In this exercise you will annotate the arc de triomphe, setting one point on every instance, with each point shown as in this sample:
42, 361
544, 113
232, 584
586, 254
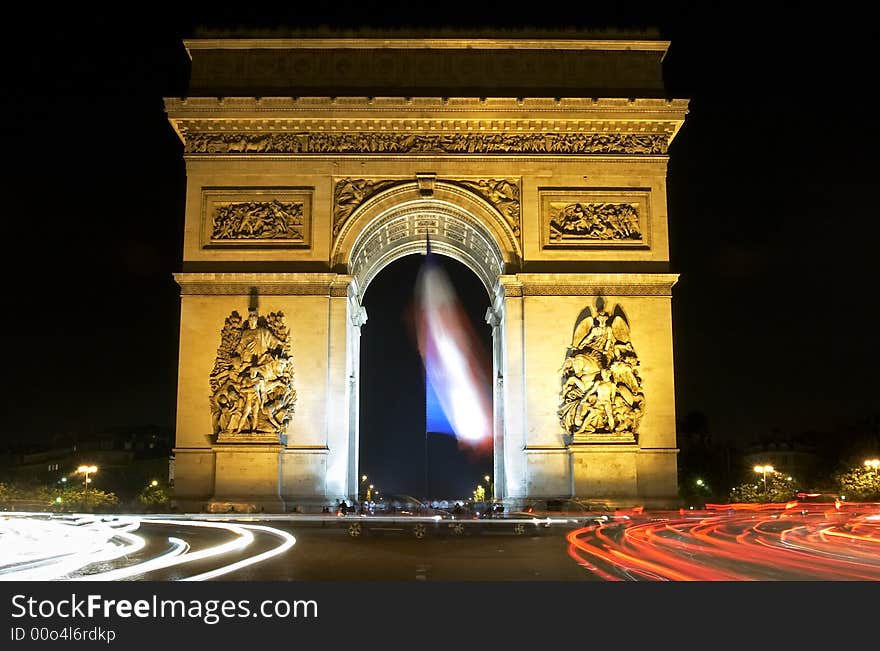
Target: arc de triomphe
312, 163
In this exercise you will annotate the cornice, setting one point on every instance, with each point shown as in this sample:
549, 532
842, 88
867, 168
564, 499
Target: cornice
238, 107
227, 124
653, 159
588, 284
275, 284
424, 44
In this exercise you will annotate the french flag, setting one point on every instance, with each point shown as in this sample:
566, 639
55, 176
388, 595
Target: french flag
457, 370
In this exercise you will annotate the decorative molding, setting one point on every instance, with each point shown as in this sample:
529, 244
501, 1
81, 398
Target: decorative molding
378, 43
426, 182
602, 399
256, 217
640, 112
269, 284
429, 143
594, 290
252, 393
358, 316
587, 284
582, 218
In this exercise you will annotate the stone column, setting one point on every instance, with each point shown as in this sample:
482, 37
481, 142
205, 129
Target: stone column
495, 319
339, 392
357, 317
512, 367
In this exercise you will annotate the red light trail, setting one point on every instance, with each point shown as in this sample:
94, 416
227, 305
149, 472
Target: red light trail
782, 542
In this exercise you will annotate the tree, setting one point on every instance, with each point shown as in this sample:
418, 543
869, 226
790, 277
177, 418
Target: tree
7, 493
859, 484
154, 497
780, 488
78, 498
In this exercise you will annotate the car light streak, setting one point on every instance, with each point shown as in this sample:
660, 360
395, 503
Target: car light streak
178, 547
789, 541
38, 546
44, 550
289, 542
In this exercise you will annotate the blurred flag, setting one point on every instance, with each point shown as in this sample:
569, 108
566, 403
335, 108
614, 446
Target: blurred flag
457, 370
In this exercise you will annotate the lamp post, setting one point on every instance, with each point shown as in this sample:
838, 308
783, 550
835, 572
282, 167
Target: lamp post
872, 464
764, 470
491, 488
86, 471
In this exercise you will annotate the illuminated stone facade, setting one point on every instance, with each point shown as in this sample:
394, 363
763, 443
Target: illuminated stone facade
302, 187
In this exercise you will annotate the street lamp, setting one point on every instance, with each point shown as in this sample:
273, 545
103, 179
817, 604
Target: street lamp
873, 464
764, 470
86, 471
491, 487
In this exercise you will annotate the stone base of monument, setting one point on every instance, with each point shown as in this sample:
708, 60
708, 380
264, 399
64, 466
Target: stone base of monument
604, 437
266, 504
247, 437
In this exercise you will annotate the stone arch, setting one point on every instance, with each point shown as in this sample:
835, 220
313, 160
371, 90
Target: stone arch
395, 223
461, 225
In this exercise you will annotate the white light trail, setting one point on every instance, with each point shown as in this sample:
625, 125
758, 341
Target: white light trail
41, 547
289, 541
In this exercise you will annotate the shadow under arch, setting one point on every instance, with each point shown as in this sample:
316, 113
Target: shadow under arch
397, 222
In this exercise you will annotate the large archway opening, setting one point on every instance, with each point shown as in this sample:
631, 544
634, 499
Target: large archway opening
398, 454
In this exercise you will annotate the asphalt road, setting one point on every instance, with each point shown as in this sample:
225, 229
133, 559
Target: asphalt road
330, 554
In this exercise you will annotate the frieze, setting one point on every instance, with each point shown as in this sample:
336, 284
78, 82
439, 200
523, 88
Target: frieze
264, 283
601, 399
430, 143
595, 290
220, 288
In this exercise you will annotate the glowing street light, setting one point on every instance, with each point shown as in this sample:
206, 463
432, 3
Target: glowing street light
873, 464
86, 471
491, 487
154, 483
700, 482
764, 470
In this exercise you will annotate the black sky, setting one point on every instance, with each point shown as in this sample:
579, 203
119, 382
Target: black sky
772, 205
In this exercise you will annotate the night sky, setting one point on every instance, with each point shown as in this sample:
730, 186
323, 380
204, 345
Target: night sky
773, 210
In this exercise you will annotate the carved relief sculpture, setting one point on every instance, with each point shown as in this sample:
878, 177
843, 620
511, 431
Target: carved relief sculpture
348, 194
503, 194
594, 221
367, 142
252, 394
601, 398
258, 220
